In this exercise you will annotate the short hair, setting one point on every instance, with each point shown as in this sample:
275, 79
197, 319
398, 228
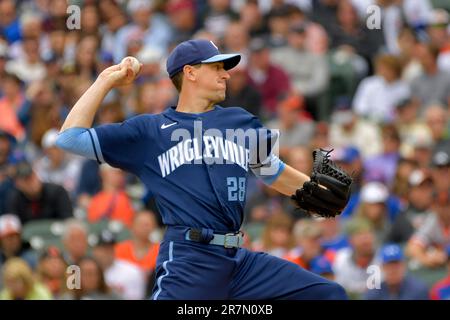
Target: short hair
73, 224
390, 61
177, 79
391, 131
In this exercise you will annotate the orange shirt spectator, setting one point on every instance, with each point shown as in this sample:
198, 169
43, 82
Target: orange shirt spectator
297, 259
9, 105
112, 206
126, 251
140, 250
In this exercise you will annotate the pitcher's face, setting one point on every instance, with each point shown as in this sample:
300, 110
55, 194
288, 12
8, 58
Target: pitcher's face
211, 79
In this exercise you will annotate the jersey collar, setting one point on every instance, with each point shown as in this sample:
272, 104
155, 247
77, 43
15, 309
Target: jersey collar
171, 112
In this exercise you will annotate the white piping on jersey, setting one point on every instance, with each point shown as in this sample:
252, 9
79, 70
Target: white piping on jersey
158, 282
217, 150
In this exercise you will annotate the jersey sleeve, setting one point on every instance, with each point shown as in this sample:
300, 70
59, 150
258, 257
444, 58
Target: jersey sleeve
263, 159
123, 145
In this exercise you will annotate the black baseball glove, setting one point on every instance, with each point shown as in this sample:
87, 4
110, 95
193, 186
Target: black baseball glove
327, 192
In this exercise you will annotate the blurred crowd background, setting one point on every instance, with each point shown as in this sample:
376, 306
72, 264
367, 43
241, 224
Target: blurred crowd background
311, 68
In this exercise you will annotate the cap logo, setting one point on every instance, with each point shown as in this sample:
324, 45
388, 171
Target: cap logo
214, 44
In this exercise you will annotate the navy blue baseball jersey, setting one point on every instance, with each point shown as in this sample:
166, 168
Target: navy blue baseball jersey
198, 174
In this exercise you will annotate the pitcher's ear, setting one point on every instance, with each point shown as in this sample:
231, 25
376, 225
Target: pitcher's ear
190, 72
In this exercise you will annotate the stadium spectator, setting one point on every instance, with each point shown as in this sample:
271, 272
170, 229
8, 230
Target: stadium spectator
217, 17
440, 170
11, 244
153, 97
115, 19
417, 12
51, 271
277, 235
252, 18
300, 158
296, 128
239, 93
90, 20
437, 30
407, 42
333, 238
325, 13
141, 249
350, 264
350, 159
236, 39
92, 283
420, 198
33, 199
85, 59
56, 49
7, 143
31, 25
440, 290
146, 26
349, 31
151, 65
56, 166
437, 121
321, 266
400, 186
378, 95
384, 165
433, 85
427, 245
262, 203
89, 183
9, 21
75, 241
321, 137
19, 282
10, 103
307, 234
316, 36
278, 24
124, 278
392, 23
40, 112
397, 284
413, 130
271, 81
347, 129
30, 67
373, 208
112, 202
4, 57
308, 72
182, 16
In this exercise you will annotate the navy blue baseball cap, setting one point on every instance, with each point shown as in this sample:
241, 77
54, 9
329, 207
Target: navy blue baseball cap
197, 51
391, 253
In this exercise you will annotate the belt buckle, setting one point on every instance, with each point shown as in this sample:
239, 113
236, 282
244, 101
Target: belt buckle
230, 235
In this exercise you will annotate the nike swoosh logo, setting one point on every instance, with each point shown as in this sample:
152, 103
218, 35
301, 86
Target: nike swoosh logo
165, 126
